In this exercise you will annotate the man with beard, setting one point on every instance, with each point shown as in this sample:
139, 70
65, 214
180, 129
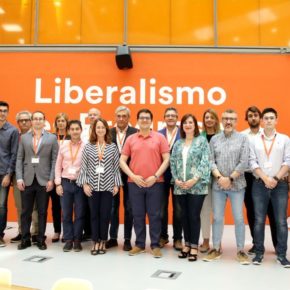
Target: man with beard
229, 157
253, 117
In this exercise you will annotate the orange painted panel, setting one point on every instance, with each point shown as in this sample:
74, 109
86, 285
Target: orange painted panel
75, 82
102, 21
60, 22
192, 22
238, 23
16, 21
274, 21
148, 22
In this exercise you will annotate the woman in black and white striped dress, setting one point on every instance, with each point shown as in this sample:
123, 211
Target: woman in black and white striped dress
101, 179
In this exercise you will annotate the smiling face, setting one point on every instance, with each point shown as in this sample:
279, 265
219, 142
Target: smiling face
170, 118
93, 115
229, 121
3, 113
209, 121
188, 127
144, 121
100, 130
38, 121
75, 131
61, 123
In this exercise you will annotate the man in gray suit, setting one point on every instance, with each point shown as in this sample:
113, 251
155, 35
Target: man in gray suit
35, 166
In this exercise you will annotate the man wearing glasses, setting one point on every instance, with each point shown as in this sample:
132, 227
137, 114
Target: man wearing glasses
8, 152
229, 157
149, 153
35, 166
23, 119
172, 134
270, 161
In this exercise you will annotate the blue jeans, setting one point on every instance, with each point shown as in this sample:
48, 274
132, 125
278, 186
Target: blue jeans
73, 204
279, 198
146, 200
128, 217
177, 223
3, 206
219, 202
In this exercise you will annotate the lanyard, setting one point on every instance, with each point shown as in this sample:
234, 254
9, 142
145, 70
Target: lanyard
35, 144
121, 140
101, 150
170, 142
268, 152
73, 157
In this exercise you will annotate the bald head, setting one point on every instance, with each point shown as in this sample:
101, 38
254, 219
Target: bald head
93, 114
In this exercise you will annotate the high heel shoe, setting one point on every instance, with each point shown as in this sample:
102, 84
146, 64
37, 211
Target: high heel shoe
192, 257
94, 250
102, 248
183, 254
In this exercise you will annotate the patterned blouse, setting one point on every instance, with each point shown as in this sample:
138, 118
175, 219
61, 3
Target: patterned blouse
100, 181
197, 165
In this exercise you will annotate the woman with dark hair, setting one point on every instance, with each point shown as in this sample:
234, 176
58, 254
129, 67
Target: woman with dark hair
61, 131
101, 179
210, 127
190, 167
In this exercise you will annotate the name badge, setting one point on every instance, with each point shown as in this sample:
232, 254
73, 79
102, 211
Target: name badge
35, 160
72, 170
100, 169
268, 164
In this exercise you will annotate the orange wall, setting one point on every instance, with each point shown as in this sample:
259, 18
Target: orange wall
244, 80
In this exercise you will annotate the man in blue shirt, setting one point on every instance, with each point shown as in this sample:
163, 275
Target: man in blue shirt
8, 152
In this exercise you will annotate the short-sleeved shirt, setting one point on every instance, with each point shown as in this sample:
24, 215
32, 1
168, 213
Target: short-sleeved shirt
145, 153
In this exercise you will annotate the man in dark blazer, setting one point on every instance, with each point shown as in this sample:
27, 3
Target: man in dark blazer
172, 134
119, 135
35, 166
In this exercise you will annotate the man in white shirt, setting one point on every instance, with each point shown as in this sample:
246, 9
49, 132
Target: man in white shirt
253, 117
270, 161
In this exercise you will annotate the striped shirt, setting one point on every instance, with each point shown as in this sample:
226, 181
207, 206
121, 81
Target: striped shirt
100, 181
228, 154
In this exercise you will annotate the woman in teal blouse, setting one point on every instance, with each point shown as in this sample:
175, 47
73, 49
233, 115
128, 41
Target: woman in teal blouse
190, 167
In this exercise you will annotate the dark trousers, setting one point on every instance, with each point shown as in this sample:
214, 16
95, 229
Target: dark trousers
191, 205
56, 210
146, 200
177, 223
279, 198
73, 210
128, 216
100, 209
250, 209
87, 222
3, 206
34, 193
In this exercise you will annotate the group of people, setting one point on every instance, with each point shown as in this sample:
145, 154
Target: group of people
85, 171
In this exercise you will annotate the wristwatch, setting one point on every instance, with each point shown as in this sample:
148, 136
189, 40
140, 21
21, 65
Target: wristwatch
231, 179
276, 178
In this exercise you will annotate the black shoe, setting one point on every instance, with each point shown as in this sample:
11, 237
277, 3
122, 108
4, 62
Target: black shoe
111, 243
55, 238
41, 245
68, 246
258, 259
252, 251
77, 246
34, 239
16, 239
62, 240
127, 246
24, 244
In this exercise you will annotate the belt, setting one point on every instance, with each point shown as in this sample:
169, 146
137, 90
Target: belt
69, 180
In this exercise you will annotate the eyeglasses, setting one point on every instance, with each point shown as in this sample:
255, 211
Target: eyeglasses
24, 120
229, 119
145, 118
4, 111
170, 116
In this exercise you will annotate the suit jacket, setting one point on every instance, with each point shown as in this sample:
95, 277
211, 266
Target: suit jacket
167, 174
47, 153
130, 131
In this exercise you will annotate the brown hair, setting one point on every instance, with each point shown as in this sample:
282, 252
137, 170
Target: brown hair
58, 116
184, 118
215, 115
94, 136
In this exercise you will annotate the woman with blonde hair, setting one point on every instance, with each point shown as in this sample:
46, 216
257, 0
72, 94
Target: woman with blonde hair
210, 127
